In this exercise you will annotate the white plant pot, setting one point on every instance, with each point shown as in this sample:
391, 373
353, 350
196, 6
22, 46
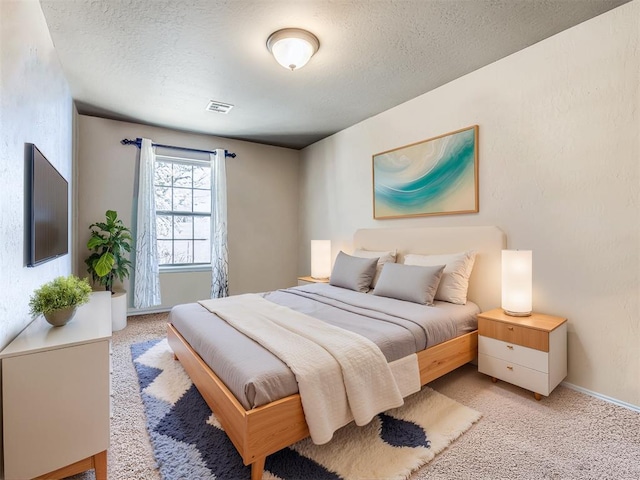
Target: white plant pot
118, 311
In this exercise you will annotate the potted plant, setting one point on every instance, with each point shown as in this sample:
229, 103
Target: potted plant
110, 241
58, 299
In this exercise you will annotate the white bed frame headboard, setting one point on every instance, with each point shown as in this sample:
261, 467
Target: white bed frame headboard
488, 242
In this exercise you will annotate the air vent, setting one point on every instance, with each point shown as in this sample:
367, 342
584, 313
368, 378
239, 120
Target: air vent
218, 107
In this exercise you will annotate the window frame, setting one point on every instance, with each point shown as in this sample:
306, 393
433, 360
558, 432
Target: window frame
183, 267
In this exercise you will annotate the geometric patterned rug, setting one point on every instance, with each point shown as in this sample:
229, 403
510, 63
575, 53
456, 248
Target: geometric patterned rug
189, 443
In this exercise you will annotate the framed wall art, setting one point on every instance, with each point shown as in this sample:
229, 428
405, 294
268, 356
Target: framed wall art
438, 176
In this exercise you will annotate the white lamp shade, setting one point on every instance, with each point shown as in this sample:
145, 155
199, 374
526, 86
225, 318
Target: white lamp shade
292, 47
517, 282
320, 258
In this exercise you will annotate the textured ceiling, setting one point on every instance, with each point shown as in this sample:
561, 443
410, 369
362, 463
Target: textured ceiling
160, 62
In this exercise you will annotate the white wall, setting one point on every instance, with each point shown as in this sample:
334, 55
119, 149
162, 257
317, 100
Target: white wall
559, 173
35, 107
262, 183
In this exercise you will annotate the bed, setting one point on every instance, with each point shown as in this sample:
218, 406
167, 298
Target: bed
258, 428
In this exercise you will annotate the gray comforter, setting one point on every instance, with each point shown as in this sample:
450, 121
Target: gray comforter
256, 377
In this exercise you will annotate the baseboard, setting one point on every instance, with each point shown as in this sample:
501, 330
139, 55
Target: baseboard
615, 401
137, 311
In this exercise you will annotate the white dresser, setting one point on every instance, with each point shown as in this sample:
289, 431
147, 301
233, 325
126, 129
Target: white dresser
530, 352
56, 395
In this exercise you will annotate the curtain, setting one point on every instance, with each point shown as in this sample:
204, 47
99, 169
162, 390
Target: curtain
219, 249
146, 292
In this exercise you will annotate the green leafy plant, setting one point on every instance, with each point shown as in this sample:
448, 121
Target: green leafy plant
61, 292
110, 241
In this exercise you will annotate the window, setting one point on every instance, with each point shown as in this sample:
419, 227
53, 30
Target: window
183, 211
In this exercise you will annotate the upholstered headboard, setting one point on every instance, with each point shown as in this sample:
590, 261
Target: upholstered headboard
488, 242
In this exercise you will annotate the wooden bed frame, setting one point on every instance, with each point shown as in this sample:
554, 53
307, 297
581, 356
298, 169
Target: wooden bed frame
264, 430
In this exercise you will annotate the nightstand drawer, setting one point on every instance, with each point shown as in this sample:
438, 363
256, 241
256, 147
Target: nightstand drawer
510, 352
513, 373
520, 335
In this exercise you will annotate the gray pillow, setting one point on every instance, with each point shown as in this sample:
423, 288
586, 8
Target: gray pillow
409, 282
353, 273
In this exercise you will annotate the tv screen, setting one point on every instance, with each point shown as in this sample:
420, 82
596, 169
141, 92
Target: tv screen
47, 208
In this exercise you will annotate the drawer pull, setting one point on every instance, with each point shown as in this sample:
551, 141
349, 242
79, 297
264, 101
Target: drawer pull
510, 328
510, 347
509, 367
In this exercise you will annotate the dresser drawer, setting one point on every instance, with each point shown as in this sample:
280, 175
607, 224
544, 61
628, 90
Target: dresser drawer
510, 352
517, 334
513, 373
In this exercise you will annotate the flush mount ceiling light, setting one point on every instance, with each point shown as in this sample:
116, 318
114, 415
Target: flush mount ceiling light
292, 47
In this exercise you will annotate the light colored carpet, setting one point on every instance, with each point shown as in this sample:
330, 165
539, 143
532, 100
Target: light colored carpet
568, 435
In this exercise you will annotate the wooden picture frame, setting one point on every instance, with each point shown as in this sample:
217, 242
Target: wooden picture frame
437, 176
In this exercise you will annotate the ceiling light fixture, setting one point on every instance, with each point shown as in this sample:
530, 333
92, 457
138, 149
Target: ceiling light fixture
292, 47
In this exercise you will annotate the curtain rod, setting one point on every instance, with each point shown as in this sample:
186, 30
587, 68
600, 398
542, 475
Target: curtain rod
138, 142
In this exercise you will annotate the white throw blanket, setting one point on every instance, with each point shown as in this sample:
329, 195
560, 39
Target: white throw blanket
341, 375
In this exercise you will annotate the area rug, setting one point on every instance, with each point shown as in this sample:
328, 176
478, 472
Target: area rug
189, 443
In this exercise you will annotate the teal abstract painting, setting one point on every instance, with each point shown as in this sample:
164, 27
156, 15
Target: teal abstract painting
438, 176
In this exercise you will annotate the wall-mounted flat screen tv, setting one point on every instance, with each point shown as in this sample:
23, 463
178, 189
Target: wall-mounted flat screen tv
47, 200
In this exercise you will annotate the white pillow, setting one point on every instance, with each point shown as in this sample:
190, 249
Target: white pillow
455, 278
383, 257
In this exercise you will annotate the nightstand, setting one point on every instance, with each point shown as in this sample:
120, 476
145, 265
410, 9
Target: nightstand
530, 352
308, 280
